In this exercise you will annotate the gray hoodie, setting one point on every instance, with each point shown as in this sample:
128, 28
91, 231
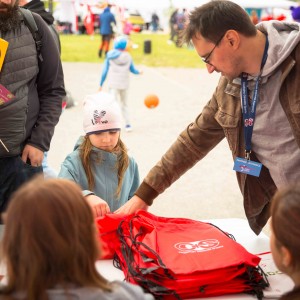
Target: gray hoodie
121, 291
273, 141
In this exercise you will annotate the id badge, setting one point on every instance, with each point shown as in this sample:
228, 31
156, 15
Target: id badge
5, 95
3, 49
246, 166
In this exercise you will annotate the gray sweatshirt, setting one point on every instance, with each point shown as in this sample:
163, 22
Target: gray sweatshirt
121, 291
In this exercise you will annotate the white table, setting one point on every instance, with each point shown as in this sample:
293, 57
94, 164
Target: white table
243, 235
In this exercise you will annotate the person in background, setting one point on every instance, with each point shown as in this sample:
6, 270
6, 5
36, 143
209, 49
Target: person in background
173, 25
285, 235
258, 66
295, 12
181, 18
254, 17
127, 27
50, 247
100, 163
117, 67
33, 89
154, 22
107, 21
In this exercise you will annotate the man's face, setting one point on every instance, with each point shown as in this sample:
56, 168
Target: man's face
9, 18
218, 57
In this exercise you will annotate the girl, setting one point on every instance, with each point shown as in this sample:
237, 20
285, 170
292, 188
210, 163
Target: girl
100, 163
50, 247
285, 235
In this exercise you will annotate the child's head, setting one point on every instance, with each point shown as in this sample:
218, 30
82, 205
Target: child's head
49, 238
102, 121
285, 224
120, 43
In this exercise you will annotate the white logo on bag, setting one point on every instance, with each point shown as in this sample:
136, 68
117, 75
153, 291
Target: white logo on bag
198, 246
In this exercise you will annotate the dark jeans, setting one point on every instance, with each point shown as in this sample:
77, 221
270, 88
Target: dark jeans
105, 42
13, 173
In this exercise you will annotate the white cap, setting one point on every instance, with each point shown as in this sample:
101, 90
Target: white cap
101, 113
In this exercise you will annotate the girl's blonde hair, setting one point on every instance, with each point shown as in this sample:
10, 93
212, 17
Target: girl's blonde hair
49, 240
86, 149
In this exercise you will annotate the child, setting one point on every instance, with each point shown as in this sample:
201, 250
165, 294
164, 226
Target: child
50, 247
127, 27
116, 68
100, 163
285, 235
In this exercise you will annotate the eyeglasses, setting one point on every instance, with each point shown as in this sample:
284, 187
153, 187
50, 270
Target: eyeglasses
206, 59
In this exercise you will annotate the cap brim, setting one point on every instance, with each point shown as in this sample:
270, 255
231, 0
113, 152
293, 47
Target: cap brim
105, 130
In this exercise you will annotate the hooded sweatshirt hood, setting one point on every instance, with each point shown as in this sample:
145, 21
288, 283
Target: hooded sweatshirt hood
283, 38
38, 7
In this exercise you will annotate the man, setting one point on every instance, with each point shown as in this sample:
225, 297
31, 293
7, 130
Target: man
155, 22
173, 25
28, 117
260, 71
107, 21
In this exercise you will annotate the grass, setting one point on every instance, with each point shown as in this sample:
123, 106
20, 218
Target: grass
83, 48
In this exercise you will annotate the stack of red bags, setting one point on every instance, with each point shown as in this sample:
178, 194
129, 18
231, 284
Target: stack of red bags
177, 258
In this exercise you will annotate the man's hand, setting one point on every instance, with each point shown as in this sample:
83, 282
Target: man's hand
98, 205
133, 205
35, 155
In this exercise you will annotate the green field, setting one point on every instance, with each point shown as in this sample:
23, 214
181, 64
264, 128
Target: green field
83, 48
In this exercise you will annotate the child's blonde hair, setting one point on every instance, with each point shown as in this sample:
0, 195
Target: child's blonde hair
121, 165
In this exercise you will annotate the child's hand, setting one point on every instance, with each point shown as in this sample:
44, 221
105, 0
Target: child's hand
141, 72
98, 205
100, 89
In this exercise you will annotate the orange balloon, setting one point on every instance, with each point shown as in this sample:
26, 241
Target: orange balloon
151, 101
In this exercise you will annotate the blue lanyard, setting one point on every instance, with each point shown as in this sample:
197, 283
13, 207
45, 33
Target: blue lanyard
250, 110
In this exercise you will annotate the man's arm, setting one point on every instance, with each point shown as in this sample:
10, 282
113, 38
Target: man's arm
190, 147
50, 89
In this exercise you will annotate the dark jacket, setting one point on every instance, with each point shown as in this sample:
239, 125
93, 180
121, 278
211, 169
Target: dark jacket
38, 87
38, 7
106, 20
292, 295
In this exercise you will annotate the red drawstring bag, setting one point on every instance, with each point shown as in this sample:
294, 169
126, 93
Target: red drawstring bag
107, 228
177, 258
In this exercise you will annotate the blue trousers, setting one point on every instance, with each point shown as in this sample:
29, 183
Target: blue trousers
13, 173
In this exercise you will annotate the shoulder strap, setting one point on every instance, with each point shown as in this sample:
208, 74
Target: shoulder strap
31, 24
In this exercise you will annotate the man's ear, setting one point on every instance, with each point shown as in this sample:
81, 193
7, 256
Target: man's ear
233, 38
286, 256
